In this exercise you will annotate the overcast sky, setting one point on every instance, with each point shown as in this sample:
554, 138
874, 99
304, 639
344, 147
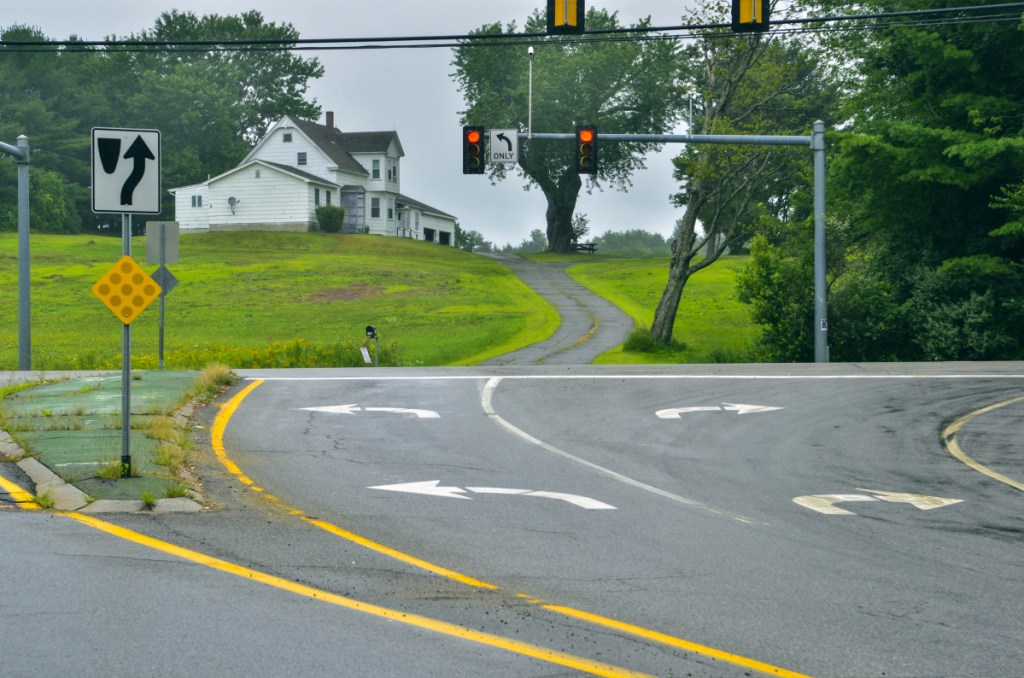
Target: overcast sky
409, 91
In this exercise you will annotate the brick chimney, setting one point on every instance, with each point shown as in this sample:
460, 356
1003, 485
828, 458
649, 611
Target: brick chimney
330, 124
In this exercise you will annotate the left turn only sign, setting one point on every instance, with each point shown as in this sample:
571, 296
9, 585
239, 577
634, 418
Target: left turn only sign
126, 170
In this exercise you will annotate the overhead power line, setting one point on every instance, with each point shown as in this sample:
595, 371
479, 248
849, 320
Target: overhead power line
881, 20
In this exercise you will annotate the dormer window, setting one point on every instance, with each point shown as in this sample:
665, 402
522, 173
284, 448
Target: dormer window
287, 137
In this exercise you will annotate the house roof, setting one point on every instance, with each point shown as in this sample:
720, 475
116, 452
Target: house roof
339, 145
305, 176
423, 206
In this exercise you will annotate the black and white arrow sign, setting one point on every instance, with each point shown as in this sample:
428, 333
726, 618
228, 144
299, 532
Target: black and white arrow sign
125, 170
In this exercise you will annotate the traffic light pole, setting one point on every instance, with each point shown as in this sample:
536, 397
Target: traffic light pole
816, 142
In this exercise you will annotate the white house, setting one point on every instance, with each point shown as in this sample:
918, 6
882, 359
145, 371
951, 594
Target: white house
300, 165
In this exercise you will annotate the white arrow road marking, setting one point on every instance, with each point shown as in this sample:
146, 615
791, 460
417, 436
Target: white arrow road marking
823, 503
353, 408
748, 409
676, 412
923, 502
429, 487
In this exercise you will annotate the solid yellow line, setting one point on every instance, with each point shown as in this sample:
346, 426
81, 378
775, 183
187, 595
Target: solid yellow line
217, 441
217, 432
398, 555
949, 438
436, 625
20, 496
672, 641
220, 423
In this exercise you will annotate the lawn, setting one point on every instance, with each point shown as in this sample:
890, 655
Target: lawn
711, 325
273, 300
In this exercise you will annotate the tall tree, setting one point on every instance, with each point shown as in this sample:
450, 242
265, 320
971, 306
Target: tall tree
749, 84
623, 86
922, 186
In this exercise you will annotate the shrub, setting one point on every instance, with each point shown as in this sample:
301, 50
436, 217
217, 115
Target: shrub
330, 218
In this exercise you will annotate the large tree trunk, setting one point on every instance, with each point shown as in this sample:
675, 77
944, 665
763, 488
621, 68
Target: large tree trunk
561, 205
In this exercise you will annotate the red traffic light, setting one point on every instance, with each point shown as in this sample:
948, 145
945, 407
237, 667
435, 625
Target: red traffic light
586, 149
473, 150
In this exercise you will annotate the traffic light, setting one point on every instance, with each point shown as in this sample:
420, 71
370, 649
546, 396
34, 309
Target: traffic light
565, 17
750, 16
586, 149
472, 150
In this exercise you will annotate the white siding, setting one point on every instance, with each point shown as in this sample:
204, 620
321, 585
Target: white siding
192, 207
275, 149
274, 200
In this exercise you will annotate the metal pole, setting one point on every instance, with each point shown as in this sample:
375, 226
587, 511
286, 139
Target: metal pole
126, 365
529, 115
820, 289
24, 267
163, 295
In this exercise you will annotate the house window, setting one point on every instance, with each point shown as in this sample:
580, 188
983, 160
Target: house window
316, 196
375, 208
257, 174
302, 158
328, 197
287, 137
391, 210
376, 169
197, 201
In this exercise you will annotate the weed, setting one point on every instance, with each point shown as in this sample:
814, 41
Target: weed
45, 500
174, 490
640, 341
171, 456
148, 499
109, 470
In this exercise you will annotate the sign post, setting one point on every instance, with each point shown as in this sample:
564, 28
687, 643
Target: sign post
162, 248
131, 187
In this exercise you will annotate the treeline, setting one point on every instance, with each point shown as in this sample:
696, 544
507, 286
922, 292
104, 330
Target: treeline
209, 105
629, 243
925, 187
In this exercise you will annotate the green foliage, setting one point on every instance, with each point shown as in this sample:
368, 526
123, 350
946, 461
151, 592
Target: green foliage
330, 218
210, 106
622, 86
632, 243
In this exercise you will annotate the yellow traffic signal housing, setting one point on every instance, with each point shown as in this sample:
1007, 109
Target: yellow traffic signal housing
126, 290
565, 17
750, 16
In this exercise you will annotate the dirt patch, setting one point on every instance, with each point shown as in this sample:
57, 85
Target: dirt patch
354, 291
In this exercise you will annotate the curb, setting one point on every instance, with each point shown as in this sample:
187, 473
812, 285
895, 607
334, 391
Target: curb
67, 497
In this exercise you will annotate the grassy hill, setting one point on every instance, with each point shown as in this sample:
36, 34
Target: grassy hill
273, 300
305, 299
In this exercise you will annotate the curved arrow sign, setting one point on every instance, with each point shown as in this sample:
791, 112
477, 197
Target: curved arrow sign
826, 503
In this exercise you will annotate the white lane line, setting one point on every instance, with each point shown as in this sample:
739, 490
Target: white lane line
486, 396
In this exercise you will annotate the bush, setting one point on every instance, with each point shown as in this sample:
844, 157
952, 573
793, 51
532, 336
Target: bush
330, 218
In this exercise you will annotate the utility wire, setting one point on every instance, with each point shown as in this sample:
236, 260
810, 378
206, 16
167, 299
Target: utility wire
876, 21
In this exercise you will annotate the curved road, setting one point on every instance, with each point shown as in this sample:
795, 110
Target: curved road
590, 324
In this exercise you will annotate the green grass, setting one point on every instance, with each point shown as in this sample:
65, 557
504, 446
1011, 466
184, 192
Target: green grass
273, 300
711, 325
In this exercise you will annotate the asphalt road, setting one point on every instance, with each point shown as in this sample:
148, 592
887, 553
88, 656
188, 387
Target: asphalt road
664, 520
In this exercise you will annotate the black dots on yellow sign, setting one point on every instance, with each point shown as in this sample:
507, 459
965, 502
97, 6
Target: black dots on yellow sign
126, 290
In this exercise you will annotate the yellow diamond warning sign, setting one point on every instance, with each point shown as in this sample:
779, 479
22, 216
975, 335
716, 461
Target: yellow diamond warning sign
126, 290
